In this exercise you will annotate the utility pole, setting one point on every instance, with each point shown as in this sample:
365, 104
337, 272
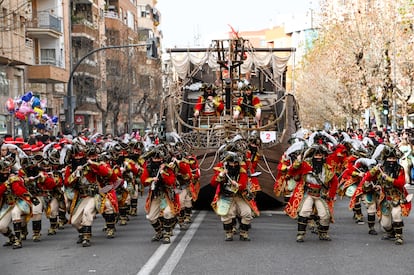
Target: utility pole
70, 99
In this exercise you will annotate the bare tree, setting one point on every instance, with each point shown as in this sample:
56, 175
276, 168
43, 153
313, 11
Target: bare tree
353, 63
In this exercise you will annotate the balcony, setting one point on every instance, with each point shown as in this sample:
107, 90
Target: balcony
85, 1
45, 25
88, 68
113, 21
48, 68
84, 29
112, 14
47, 74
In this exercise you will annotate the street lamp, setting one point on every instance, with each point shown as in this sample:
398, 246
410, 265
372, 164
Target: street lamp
70, 99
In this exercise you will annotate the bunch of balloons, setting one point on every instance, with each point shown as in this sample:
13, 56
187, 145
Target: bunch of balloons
31, 108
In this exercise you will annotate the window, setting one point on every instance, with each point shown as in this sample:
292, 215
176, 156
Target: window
16, 24
48, 56
4, 84
142, 11
22, 24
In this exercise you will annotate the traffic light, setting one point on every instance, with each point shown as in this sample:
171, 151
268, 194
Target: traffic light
152, 51
385, 107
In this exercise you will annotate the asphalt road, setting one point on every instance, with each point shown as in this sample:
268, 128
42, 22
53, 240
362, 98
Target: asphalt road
202, 249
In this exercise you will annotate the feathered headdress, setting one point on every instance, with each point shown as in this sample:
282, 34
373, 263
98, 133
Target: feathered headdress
297, 147
384, 151
322, 137
366, 162
316, 148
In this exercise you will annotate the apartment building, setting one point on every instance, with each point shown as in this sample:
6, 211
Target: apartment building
47, 30
41, 41
16, 52
111, 85
89, 77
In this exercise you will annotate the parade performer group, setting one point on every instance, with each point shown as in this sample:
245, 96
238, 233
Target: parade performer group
79, 179
73, 180
314, 172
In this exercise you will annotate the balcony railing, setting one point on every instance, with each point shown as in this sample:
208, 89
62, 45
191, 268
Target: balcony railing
45, 20
111, 14
50, 57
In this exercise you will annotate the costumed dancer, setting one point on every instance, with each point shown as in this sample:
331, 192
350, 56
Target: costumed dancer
352, 174
39, 184
119, 152
134, 171
364, 192
56, 205
316, 188
388, 178
230, 180
252, 157
84, 181
194, 185
284, 184
182, 170
162, 205
108, 181
15, 204
65, 166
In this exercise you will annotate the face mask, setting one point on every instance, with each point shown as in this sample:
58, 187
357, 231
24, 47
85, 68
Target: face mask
153, 168
120, 160
233, 171
33, 171
155, 164
317, 164
4, 176
78, 162
391, 168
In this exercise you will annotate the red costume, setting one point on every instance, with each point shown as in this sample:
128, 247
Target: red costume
216, 108
297, 171
168, 178
195, 182
281, 185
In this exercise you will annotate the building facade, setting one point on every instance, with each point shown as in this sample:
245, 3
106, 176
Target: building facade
45, 42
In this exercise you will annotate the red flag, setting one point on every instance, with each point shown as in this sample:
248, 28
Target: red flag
233, 32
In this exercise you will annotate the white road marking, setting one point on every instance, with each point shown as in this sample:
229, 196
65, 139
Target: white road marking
157, 256
179, 250
272, 212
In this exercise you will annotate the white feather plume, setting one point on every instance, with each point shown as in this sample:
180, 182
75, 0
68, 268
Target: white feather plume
367, 162
297, 146
329, 138
367, 141
378, 151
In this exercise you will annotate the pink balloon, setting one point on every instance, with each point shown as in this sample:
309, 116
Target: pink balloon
43, 103
25, 108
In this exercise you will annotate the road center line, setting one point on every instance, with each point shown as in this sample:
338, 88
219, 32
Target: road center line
179, 250
162, 249
157, 256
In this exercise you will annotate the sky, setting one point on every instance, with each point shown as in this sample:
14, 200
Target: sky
188, 23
